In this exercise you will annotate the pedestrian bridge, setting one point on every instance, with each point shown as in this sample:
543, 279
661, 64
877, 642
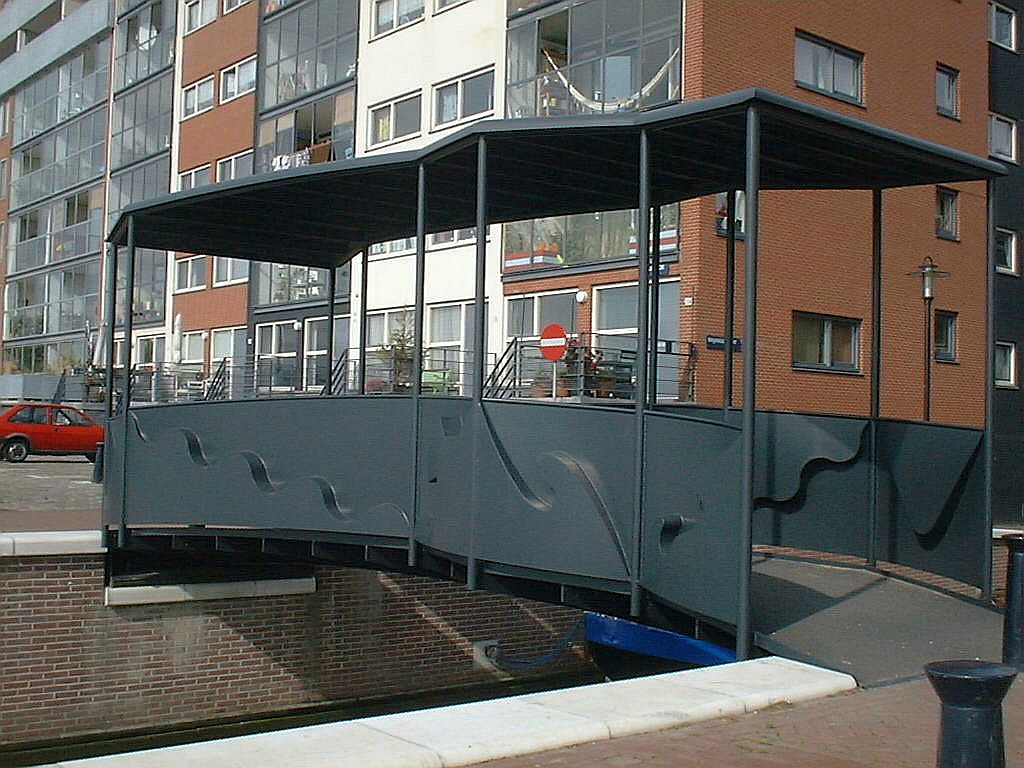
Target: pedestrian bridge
645, 510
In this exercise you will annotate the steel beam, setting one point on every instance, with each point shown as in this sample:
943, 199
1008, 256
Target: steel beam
730, 302
126, 394
655, 290
109, 310
479, 352
417, 351
332, 279
876, 372
990, 349
363, 301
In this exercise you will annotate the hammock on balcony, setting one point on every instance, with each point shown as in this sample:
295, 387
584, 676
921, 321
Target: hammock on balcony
617, 104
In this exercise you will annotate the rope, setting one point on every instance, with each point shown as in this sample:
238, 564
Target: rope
508, 663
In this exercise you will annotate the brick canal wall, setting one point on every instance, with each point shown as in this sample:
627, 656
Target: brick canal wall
71, 666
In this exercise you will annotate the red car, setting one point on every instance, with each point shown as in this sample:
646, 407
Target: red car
51, 429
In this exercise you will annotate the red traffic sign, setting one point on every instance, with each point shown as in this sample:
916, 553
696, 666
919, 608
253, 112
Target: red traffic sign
553, 342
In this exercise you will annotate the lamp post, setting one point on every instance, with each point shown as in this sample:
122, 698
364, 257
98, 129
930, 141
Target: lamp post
928, 271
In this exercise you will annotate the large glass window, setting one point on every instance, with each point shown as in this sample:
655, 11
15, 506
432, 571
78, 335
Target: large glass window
227, 271
62, 230
276, 362
150, 285
828, 68
145, 43
56, 302
307, 49
46, 357
139, 183
313, 133
141, 122
286, 283
62, 91
825, 342
596, 56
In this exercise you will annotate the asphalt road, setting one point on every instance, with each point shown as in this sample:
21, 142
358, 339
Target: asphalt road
48, 493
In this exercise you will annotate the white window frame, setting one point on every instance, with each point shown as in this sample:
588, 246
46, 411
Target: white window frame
191, 287
390, 106
459, 82
457, 238
834, 49
395, 24
191, 176
276, 353
229, 6
308, 353
993, 9
944, 355
1014, 268
438, 8
232, 161
232, 329
994, 118
202, 5
236, 67
1010, 383
137, 344
535, 321
953, 195
231, 280
185, 337
194, 87
954, 75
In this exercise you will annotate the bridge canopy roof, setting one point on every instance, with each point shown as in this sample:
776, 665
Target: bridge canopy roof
322, 215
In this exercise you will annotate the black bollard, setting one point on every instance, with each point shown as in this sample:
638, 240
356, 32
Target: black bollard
971, 729
97, 464
1013, 615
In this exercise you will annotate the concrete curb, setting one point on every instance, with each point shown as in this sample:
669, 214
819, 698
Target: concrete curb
38, 543
464, 734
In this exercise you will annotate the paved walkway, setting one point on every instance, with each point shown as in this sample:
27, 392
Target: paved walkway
895, 727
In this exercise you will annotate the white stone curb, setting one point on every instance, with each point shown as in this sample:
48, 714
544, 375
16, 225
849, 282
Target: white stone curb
470, 733
37, 543
183, 593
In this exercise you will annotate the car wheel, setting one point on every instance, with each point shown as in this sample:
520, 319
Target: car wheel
16, 450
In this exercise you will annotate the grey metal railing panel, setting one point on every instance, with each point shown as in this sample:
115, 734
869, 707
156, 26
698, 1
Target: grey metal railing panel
691, 515
556, 489
446, 474
113, 471
324, 464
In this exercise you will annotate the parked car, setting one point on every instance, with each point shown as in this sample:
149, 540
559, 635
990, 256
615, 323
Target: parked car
47, 429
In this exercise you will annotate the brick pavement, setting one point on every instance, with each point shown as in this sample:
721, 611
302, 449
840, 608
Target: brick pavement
895, 727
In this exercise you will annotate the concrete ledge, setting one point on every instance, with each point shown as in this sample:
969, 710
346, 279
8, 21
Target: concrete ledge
471, 733
183, 593
51, 543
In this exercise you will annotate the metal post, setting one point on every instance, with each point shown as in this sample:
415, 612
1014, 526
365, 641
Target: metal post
126, 394
753, 179
109, 309
1013, 616
655, 290
643, 345
928, 358
990, 344
971, 728
876, 371
480, 356
332, 278
730, 301
363, 301
417, 351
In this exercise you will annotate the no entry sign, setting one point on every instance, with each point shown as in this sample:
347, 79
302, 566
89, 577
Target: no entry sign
553, 342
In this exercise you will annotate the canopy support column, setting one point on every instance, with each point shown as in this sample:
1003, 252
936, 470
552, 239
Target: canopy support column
876, 371
655, 289
364, 273
479, 349
332, 279
126, 385
109, 308
729, 331
990, 350
417, 351
753, 182
643, 346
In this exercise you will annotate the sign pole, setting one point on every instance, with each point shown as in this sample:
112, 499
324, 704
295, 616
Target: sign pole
554, 377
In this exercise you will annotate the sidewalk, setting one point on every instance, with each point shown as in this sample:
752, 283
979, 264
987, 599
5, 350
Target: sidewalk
894, 727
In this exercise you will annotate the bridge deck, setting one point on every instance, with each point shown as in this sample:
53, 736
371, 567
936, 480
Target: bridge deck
876, 628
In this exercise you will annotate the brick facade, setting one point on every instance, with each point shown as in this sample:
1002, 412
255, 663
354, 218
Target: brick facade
73, 667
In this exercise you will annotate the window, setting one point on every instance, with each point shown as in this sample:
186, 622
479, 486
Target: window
70, 418
235, 167
454, 237
947, 97
388, 328
31, 415
721, 210
396, 120
1002, 137
828, 68
307, 49
284, 284
313, 133
276, 348
828, 343
145, 42
442, 4
1006, 364
945, 336
192, 347
315, 348
392, 14
199, 13
1002, 26
227, 271
946, 214
197, 98
228, 343
197, 177
468, 96
1006, 251
230, 5
190, 273
238, 79
141, 121
4, 115
528, 315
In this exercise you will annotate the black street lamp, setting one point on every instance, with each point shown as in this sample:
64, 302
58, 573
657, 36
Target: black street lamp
928, 271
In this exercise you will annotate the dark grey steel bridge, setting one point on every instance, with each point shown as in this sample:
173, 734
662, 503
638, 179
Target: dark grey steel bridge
645, 510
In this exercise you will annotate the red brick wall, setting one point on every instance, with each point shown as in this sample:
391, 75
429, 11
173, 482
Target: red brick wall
70, 666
